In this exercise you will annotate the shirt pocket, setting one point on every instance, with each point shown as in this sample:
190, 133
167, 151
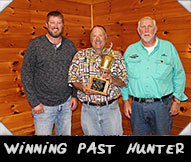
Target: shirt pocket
163, 69
133, 67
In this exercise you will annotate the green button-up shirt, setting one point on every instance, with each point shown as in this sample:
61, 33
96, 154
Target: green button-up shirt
155, 75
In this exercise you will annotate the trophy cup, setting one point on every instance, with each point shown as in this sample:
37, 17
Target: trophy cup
101, 85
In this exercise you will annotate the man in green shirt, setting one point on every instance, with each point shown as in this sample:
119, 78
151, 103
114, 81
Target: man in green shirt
155, 76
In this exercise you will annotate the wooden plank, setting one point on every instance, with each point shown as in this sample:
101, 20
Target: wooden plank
5, 92
11, 54
82, 1
75, 20
166, 24
175, 36
188, 79
186, 64
11, 107
98, 1
21, 4
39, 29
23, 43
186, 108
81, 43
188, 94
8, 84
19, 124
15, 15
158, 11
10, 67
66, 6
5, 68
33, 16
15, 41
107, 6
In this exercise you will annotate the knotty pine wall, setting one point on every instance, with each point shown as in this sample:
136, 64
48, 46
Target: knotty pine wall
24, 20
120, 18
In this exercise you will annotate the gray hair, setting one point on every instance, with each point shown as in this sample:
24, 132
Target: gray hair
146, 17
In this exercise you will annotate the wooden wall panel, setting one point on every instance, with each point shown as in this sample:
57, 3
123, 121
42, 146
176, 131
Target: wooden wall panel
20, 22
24, 20
174, 24
120, 19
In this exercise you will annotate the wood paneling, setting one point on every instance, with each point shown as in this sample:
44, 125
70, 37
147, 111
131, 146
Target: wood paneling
174, 24
24, 20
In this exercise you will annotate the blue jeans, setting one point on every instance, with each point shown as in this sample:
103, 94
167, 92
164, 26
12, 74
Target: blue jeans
59, 115
101, 120
155, 117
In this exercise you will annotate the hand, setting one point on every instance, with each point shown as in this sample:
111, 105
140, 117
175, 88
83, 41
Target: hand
73, 103
113, 80
82, 88
127, 108
38, 109
175, 108
88, 92
107, 77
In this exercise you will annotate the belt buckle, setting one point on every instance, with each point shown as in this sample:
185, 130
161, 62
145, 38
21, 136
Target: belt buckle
149, 100
99, 104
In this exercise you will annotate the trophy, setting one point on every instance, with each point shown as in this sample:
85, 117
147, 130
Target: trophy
101, 85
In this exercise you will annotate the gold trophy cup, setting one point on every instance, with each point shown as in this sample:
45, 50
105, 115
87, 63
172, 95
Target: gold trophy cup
106, 62
100, 85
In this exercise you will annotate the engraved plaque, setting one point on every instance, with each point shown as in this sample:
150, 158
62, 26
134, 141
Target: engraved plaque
98, 85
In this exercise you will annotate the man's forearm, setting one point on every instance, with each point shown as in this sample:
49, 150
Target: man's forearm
117, 82
78, 85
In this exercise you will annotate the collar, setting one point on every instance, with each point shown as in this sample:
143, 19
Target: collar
156, 48
104, 51
60, 44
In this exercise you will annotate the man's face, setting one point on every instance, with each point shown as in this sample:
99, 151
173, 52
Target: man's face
98, 38
147, 30
55, 26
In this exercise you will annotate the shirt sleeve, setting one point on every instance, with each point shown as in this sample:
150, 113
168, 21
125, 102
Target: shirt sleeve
125, 91
73, 74
179, 77
119, 69
74, 90
27, 75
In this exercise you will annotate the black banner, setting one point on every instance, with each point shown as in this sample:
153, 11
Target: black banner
133, 148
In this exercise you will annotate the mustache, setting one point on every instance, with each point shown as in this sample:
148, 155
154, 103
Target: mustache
147, 34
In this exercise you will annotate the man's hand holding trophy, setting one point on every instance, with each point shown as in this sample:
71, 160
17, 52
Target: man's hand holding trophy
100, 85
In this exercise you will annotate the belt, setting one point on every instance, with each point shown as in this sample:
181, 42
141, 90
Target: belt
100, 104
149, 100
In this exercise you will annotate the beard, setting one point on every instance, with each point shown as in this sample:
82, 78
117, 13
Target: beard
143, 37
151, 36
55, 35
